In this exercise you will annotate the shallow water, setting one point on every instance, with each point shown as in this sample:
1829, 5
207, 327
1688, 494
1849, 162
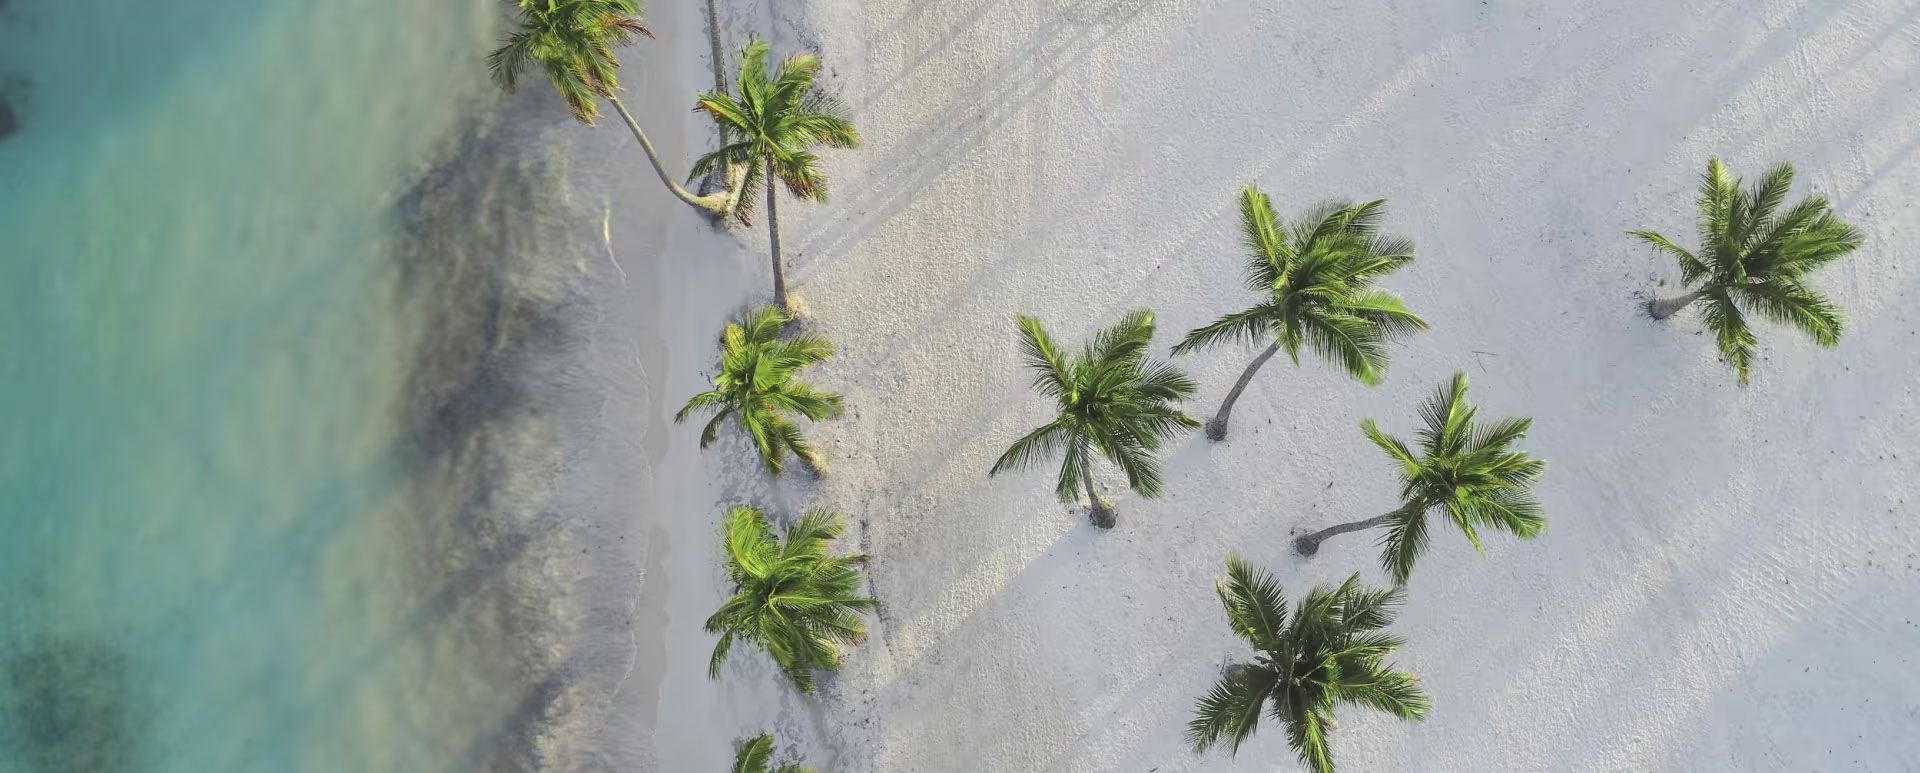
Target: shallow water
247, 525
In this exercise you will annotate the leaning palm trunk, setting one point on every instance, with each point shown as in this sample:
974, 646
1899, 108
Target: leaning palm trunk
715, 204
1100, 514
1309, 544
1217, 428
773, 236
1662, 308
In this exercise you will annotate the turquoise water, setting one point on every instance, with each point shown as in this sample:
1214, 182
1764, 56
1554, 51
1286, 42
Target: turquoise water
223, 547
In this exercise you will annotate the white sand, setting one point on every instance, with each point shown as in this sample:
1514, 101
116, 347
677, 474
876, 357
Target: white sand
1728, 580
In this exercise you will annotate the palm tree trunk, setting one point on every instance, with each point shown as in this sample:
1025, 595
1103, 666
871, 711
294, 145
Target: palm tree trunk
773, 237
1309, 544
714, 203
729, 180
1100, 514
1217, 428
1659, 308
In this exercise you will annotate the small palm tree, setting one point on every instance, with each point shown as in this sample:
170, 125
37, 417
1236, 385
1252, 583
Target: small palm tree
573, 42
1112, 398
758, 386
772, 123
1316, 284
790, 597
1754, 260
756, 754
1470, 472
1329, 652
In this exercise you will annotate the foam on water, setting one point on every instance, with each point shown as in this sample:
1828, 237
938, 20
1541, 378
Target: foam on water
258, 483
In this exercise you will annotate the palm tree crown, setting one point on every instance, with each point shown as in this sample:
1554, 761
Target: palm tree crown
1330, 651
758, 386
790, 597
1316, 279
1112, 398
573, 42
773, 121
1754, 259
756, 755
1470, 472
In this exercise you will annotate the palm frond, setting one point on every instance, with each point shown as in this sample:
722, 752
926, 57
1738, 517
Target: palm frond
1691, 268
1446, 414
1730, 332
1265, 240
1052, 375
720, 651
1128, 451
505, 63
1791, 303
1032, 448
1124, 341
1404, 541
1512, 510
1231, 710
1074, 464
1763, 202
1392, 692
1394, 446
1249, 326
1384, 310
754, 755
793, 80
1256, 608
1348, 341
1498, 434
823, 118
1307, 735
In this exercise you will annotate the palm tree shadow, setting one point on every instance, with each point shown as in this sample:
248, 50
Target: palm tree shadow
1053, 50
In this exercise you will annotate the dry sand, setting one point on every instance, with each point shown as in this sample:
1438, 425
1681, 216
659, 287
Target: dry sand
1728, 580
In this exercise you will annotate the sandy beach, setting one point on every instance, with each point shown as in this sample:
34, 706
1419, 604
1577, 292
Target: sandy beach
1728, 578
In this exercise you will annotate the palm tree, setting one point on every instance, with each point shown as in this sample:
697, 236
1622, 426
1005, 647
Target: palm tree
1112, 398
756, 754
1329, 652
790, 597
1316, 284
1754, 259
1470, 472
573, 42
757, 386
771, 124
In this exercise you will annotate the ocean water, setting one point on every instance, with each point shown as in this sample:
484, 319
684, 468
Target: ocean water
259, 504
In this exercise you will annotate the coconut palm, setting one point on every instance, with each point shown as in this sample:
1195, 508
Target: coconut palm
772, 123
1470, 472
790, 597
756, 754
572, 41
1754, 259
1315, 280
1112, 399
758, 386
1330, 651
